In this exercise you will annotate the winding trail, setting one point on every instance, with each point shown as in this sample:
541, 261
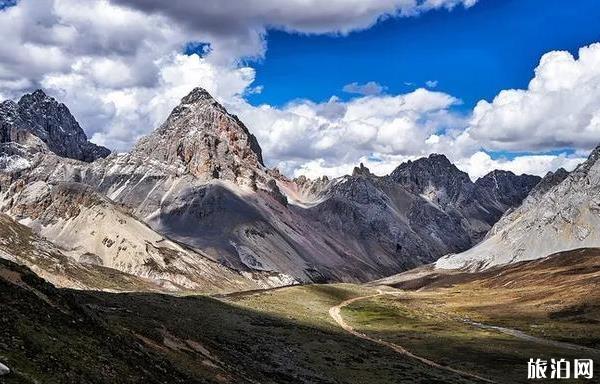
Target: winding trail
524, 336
335, 313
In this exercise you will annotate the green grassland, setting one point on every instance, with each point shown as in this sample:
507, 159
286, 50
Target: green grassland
281, 336
429, 330
284, 335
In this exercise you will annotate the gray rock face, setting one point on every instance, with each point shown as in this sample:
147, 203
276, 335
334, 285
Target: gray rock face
199, 182
549, 181
435, 177
444, 184
37, 117
212, 144
421, 211
561, 213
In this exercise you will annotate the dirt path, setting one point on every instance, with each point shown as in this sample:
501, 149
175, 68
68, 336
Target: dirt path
335, 313
513, 332
524, 336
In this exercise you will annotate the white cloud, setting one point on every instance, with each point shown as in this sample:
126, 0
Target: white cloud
378, 164
335, 135
480, 163
370, 88
242, 23
559, 109
117, 65
118, 117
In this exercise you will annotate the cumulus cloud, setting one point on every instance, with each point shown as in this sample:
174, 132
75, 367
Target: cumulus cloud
480, 163
118, 117
336, 134
242, 23
370, 88
119, 66
560, 108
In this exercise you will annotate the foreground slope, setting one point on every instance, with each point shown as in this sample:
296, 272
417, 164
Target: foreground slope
537, 308
492, 322
54, 335
172, 267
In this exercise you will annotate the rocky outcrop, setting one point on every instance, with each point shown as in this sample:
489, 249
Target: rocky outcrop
434, 177
560, 214
38, 120
550, 180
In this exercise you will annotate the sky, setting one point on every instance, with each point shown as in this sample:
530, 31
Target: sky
324, 86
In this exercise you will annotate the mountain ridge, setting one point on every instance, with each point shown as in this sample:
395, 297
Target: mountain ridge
51, 123
559, 215
199, 180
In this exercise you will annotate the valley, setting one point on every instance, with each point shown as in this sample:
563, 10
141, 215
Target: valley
287, 335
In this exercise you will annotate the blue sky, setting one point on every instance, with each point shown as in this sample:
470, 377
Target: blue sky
473, 53
122, 65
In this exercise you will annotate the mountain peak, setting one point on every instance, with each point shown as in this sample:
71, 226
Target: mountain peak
548, 182
584, 168
38, 94
36, 114
498, 172
361, 170
438, 157
428, 169
39, 97
202, 136
432, 174
197, 95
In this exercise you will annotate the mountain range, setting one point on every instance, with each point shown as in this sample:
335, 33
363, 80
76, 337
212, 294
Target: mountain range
193, 202
561, 213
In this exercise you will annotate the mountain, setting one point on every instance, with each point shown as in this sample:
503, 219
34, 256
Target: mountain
560, 214
92, 235
422, 210
193, 201
38, 120
477, 205
202, 137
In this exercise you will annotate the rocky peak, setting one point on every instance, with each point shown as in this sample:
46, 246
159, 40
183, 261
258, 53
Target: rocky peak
550, 180
37, 96
506, 180
361, 170
433, 174
207, 140
198, 95
36, 114
584, 168
505, 187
